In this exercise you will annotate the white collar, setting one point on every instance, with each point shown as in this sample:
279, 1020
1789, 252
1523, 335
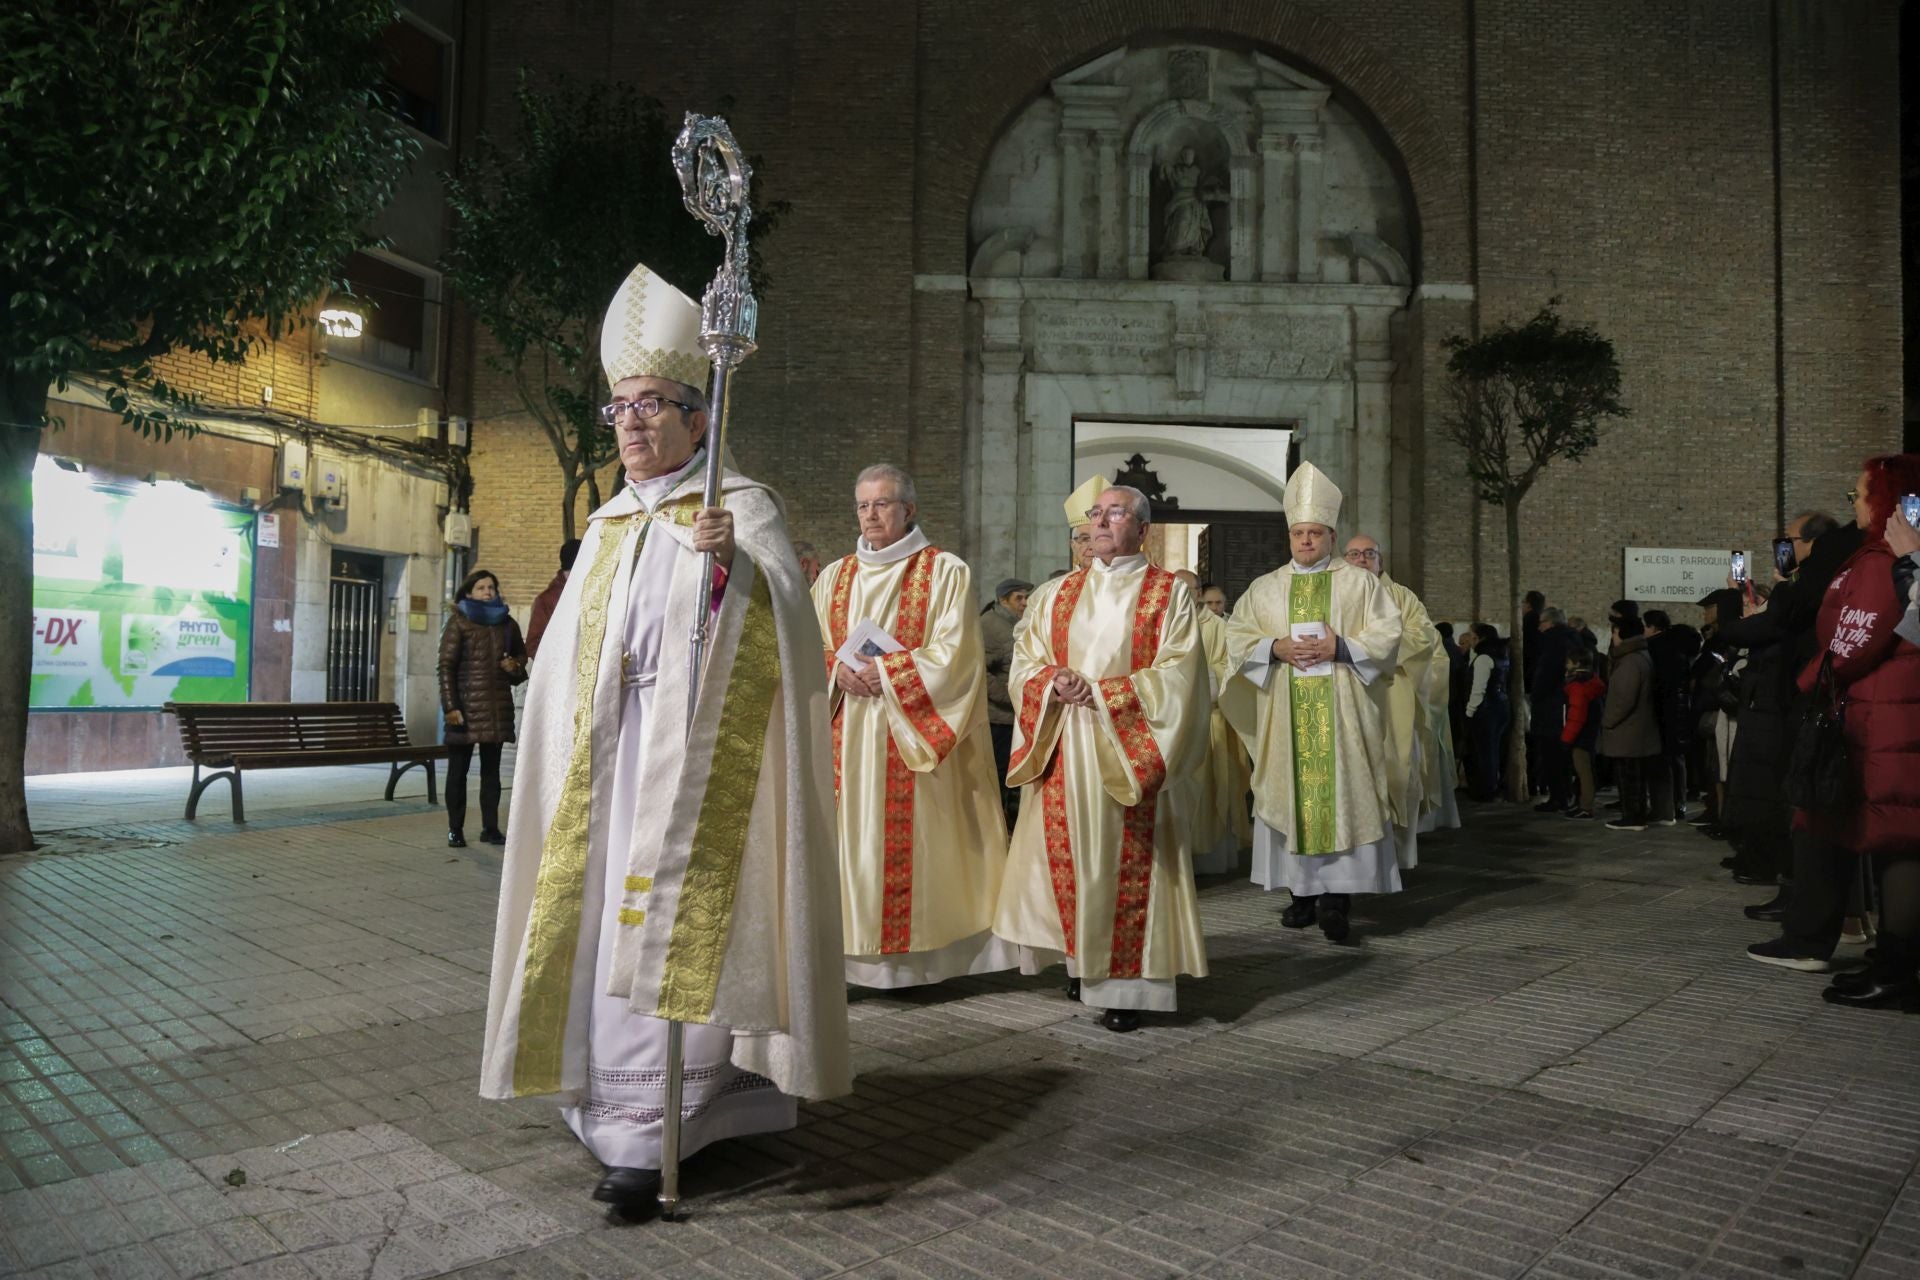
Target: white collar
1321, 567
652, 493
893, 552
1120, 564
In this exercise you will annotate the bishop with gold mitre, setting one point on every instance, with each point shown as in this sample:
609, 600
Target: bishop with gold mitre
1312, 645
653, 873
923, 834
1111, 690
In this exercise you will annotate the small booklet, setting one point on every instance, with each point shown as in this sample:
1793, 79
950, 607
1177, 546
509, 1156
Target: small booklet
865, 642
1312, 631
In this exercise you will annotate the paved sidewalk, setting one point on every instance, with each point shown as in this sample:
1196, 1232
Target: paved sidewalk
252, 1051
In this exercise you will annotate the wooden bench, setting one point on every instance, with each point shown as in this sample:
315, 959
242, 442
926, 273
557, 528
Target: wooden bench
232, 737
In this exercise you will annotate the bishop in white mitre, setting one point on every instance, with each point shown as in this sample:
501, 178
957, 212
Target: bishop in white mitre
923, 834
1312, 645
1215, 793
1408, 703
652, 873
1110, 688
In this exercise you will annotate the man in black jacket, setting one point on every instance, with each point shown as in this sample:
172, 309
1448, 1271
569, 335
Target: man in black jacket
1673, 650
1549, 648
1811, 914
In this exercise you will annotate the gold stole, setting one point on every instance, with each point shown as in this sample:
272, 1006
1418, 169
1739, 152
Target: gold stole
1310, 599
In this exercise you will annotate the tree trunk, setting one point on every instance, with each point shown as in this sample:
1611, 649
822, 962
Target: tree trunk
1518, 784
568, 492
23, 398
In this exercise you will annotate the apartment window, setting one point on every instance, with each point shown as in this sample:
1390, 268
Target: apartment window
400, 305
419, 77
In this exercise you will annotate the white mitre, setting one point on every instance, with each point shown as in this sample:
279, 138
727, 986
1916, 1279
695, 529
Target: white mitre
1311, 498
652, 330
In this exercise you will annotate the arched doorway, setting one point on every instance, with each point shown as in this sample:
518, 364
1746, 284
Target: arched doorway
1181, 233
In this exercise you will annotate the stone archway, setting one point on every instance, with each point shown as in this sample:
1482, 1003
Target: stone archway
1076, 314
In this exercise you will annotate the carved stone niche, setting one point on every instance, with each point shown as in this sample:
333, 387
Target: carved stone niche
1221, 169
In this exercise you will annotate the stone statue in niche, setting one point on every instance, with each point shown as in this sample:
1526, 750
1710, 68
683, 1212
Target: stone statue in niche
1188, 222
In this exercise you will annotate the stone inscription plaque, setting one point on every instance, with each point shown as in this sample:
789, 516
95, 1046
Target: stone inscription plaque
1122, 337
1253, 342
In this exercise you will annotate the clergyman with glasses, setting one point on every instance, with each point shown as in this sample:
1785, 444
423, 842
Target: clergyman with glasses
654, 874
1109, 680
923, 837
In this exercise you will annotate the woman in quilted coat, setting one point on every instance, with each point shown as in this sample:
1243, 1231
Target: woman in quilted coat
482, 656
1877, 673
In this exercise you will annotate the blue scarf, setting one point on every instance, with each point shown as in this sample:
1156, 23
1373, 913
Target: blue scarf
489, 613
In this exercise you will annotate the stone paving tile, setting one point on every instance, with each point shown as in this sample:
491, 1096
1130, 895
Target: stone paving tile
1548, 1058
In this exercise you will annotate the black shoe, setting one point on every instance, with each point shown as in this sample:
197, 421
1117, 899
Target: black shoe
1768, 912
493, 837
1728, 863
1626, 824
1755, 877
1852, 981
455, 840
1333, 920
1300, 913
629, 1189
1775, 951
1120, 1020
1874, 993
1073, 988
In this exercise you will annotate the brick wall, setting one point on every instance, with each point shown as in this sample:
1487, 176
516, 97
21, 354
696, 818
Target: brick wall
1621, 152
285, 364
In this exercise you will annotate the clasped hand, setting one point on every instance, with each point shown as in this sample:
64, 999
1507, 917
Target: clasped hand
1305, 652
713, 531
1072, 687
861, 683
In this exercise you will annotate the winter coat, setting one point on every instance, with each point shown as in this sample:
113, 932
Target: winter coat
1547, 654
1630, 726
1878, 673
471, 681
1672, 653
1586, 702
542, 613
997, 625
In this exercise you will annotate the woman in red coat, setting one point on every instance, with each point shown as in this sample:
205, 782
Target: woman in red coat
1878, 674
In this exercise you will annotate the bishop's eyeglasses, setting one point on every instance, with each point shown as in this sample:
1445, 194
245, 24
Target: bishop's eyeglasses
644, 407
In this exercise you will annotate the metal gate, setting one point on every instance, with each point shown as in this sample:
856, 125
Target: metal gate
353, 628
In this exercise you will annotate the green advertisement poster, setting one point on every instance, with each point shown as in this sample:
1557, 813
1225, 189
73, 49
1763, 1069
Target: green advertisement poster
140, 595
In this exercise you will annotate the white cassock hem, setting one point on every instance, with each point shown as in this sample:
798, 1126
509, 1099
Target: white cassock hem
1447, 815
1367, 868
1222, 859
981, 953
1152, 995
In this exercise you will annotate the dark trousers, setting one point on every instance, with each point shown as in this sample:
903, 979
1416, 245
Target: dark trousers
1555, 763
1676, 765
1486, 734
1825, 874
458, 758
1002, 753
1646, 789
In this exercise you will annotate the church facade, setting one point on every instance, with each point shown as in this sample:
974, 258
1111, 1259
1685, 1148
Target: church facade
1026, 236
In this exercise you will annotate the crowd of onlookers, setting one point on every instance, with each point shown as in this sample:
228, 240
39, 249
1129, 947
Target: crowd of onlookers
1790, 713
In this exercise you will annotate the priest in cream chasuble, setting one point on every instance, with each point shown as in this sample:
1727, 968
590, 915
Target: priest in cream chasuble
1409, 736
1312, 645
1111, 690
923, 836
651, 873
1214, 794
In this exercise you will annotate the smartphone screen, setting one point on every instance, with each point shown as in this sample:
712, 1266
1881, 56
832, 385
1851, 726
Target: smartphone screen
1910, 508
1738, 561
1783, 558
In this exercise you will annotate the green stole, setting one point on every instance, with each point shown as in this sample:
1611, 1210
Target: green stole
1310, 698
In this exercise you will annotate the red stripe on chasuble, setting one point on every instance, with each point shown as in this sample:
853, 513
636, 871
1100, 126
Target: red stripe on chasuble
837, 636
910, 629
1149, 770
1053, 783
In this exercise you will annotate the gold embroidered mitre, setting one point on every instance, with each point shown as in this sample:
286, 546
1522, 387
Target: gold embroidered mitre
1311, 498
652, 330
1081, 500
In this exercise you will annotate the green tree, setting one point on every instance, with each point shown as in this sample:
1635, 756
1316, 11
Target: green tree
1523, 395
180, 176
547, 226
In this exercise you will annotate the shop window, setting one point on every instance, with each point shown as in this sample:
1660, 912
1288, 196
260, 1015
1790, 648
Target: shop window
419, 76
399, 307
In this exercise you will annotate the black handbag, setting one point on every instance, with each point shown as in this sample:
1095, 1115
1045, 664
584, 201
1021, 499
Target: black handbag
1820, 777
